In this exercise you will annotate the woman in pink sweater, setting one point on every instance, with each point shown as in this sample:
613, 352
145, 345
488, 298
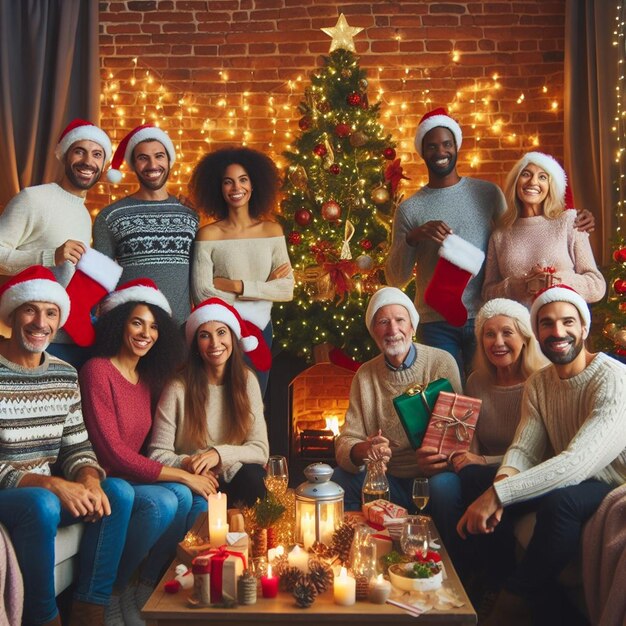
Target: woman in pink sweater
536, 242
138, 347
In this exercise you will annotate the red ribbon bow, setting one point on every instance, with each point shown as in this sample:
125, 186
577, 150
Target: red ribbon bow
394, 174
340, 274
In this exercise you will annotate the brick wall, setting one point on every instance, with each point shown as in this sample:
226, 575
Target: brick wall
233, 71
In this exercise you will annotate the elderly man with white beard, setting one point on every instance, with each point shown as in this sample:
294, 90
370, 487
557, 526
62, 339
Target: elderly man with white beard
372, 427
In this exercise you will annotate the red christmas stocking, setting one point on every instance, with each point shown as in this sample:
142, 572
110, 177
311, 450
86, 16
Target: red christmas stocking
96, 275
459, 260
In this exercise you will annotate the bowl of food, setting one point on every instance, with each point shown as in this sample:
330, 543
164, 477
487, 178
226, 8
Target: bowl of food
416, 576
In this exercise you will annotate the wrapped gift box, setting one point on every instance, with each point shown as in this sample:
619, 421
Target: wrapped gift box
452, 423
381, 511
226, 567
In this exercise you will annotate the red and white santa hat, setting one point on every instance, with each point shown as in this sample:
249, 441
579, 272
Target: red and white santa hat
550, 166
34, 284
81, 130
124, 151
433, 119
249, 335
560, 293
138, 290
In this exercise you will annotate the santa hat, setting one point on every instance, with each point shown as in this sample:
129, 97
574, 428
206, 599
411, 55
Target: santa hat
82, 130
249, 335
34, 284
125, 149
560, 293
386, 296
503, 306
548, 165
138, 290
433, 119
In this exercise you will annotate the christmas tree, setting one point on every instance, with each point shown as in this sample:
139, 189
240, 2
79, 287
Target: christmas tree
340, 189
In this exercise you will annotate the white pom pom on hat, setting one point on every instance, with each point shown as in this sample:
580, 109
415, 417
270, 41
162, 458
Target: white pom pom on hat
124, 150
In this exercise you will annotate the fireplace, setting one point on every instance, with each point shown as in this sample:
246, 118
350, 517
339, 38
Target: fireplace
311, 401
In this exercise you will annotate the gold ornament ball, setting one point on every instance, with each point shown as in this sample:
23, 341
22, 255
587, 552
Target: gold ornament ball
380, 195
365, 262
331, 211
358, 139
610, 329
620, 337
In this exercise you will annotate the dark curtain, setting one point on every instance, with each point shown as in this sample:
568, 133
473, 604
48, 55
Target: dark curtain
590, 81
49, 74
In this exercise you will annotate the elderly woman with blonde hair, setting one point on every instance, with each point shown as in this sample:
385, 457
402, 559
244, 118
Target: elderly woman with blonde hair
537, 242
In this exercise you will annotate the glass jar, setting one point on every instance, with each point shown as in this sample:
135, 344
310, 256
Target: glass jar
375, 485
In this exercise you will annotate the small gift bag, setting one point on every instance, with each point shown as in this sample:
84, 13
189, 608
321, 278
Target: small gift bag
415, 405
452, 423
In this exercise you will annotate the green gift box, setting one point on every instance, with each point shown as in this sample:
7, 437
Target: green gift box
415, 405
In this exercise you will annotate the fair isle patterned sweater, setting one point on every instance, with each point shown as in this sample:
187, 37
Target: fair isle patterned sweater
41, 422
151, 239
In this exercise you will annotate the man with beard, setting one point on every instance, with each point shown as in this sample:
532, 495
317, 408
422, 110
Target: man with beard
575, 409
49, 474
149, 233
49, 224
448, 204
372, 427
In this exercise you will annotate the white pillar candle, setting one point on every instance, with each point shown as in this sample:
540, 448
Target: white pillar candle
217, 508
379, 590
344, 589
217, 534
299, 558
308, 530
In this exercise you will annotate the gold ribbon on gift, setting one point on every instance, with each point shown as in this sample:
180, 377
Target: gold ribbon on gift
418, 390
345, 246
461, 428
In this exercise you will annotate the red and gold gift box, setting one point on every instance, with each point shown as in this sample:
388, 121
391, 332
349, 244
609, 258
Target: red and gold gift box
452, 423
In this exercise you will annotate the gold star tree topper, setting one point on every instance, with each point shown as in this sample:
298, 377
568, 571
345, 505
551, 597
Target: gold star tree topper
342, 35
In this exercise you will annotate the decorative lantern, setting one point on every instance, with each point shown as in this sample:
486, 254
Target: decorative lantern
319, 506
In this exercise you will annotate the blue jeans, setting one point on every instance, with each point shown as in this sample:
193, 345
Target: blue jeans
400, 489
32, 516
162, 514
460, 342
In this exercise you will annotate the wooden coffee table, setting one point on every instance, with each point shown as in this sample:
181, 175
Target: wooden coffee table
163, 609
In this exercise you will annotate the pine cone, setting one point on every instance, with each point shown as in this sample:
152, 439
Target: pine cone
342, 540
279, 564
304, 593
320, 575
289, 577
322, 551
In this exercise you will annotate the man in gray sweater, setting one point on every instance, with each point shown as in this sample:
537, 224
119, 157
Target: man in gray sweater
149, 233
575, 409
449, 203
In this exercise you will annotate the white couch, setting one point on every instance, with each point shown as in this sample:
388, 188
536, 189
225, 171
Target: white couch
65, 559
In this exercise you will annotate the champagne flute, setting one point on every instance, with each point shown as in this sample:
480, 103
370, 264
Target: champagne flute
276, 476
421, 493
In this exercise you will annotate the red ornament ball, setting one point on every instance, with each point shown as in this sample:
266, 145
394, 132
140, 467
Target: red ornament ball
389, 154
334, 169
303, 217
320, 150
620, 286
294, 238
620, 255
354, 99
331, 211
304, 123
366, 244
343, 129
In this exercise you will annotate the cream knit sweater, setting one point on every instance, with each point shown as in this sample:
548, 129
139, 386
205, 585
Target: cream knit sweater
371, 405
584, 420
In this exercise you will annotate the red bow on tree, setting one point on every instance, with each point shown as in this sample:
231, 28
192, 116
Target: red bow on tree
394, 174
340, 274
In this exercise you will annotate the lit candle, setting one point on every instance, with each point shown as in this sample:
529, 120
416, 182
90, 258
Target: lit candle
274, 553
344, 589
328, 528
269, 584
308, 530
379, 590
217, 508
217, 534
299, 558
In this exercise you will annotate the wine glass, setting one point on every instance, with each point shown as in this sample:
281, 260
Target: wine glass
276, 475
414, 537
421, 493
